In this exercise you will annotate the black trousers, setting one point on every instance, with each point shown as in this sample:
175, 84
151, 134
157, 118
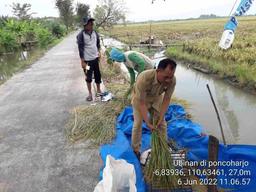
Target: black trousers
94, 69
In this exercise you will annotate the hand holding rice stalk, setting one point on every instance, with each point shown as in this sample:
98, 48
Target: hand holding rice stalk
157, 171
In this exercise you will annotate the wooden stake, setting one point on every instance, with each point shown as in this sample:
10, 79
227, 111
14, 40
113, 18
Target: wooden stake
218, 116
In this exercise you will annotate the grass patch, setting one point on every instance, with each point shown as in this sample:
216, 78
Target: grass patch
244, 72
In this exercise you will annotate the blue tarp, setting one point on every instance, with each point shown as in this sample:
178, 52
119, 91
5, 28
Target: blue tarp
186, 134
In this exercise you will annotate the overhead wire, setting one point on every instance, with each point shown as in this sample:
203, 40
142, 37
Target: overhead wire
233, 8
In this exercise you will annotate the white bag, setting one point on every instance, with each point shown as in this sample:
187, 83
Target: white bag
227, 39
118, 176
107, 97
145, 156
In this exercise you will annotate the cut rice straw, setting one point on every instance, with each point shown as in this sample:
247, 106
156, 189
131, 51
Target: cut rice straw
96, 123
159, 169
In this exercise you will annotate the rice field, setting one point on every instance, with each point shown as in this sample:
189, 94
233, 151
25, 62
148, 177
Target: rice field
196, 41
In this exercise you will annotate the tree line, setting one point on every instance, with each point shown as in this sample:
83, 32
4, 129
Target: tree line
24, 27
106, 14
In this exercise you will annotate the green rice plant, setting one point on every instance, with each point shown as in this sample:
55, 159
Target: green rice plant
241, 73
172, 51
216, 66
158, 169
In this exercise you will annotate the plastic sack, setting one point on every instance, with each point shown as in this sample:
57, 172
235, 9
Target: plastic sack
145, 156
107, 97
118, 176
227, 39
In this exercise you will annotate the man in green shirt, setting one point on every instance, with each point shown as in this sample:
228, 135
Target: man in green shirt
133, 60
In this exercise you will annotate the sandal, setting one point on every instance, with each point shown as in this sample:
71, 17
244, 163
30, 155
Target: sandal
89, 98
99, 94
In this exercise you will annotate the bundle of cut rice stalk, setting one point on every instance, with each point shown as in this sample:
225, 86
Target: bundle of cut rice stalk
96, 123
159, 171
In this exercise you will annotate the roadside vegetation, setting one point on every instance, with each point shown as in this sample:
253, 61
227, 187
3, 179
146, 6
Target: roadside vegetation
32, 36
16, 34
24, 38
196, 42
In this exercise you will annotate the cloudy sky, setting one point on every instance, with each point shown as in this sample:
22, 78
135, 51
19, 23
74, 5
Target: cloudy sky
141, 10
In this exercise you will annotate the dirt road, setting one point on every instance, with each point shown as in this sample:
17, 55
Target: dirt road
34, 108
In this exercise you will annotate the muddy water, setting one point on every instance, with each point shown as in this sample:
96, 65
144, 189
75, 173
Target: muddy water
10, 61
237, 108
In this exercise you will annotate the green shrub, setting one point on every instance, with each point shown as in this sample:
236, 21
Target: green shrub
29, 32
8, 41
14, 32
44, 37
58, 30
